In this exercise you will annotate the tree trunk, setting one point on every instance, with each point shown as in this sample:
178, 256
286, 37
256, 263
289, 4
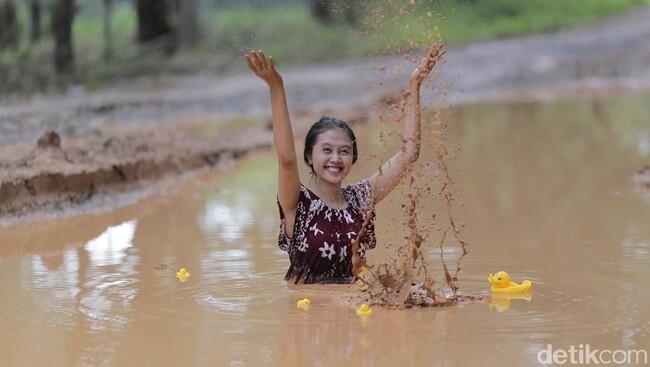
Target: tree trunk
352, 11
108, 30
331, 11
8, 25
189, 29
35, 20
62, 29
153, 19
322, 10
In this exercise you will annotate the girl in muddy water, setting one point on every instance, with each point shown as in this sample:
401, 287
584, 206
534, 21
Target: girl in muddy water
326, 228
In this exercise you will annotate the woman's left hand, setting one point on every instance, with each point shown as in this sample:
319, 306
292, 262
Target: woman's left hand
420, 74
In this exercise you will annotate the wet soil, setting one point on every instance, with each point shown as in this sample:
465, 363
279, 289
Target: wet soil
51, 175
117, 140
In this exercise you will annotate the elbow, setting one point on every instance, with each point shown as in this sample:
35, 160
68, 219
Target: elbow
413, 156
288, 162
411, 150
411, 153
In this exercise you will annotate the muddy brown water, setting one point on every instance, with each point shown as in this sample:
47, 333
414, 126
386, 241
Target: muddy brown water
545, 194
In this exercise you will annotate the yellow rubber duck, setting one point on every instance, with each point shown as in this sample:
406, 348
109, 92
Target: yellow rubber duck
501, 283
182, 274
303, 304
363, 310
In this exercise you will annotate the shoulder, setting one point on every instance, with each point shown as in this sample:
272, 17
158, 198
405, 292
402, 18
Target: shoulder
308, 201
361, 187
306, 195
359, 194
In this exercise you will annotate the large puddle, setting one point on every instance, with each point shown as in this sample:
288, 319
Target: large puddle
546, 195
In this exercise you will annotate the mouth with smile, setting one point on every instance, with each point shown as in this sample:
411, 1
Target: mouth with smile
334, 169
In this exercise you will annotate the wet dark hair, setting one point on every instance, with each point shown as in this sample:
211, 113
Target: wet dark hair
324, 124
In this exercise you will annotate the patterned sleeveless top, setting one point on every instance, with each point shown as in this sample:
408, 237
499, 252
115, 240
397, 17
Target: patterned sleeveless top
321, 248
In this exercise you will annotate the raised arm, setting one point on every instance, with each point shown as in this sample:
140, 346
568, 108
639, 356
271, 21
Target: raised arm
288, 179
391, 173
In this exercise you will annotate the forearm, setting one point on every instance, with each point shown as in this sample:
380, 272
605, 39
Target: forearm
282, 132
391, 173
412, 126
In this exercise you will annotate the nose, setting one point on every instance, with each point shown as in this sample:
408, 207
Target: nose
336, 158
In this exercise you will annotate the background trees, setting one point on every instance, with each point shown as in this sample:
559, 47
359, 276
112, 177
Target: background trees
62, 29
188, 22
8, 25
34, 20
48, 44
330, 11
153, 19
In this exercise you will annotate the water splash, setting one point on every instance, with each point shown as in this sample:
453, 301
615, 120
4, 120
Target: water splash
406, 280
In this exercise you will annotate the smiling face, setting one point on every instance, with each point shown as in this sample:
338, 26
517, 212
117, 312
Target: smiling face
331, 157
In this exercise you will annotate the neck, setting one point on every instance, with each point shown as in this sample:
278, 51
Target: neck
328, 191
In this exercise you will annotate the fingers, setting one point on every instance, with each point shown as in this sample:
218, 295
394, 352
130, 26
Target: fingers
264, 60
258, 62
253, 62
250, 63
436, 52
428, 63
435, 49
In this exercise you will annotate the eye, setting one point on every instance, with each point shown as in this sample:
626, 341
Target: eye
327, 150
499, 278
345, 151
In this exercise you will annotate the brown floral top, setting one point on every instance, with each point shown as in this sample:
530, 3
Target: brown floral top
321, 248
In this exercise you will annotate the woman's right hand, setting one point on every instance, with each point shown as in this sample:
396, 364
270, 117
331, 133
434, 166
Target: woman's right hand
263, 67
436, 52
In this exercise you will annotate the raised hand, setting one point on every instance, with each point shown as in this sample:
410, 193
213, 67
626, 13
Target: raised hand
263, 67
288, 177
422, 71
394, 170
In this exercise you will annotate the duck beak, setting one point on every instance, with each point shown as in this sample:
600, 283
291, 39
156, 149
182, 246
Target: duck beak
490, 279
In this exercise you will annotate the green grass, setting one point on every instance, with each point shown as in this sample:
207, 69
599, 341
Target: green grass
459, 22
89, 34
290, 34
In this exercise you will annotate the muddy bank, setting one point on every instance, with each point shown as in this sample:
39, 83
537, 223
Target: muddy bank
55, 175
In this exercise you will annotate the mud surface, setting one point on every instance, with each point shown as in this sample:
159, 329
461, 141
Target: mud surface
641, 179
52, 175
115, 137
555, 200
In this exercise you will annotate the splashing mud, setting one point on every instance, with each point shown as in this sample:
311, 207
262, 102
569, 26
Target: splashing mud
406, 281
